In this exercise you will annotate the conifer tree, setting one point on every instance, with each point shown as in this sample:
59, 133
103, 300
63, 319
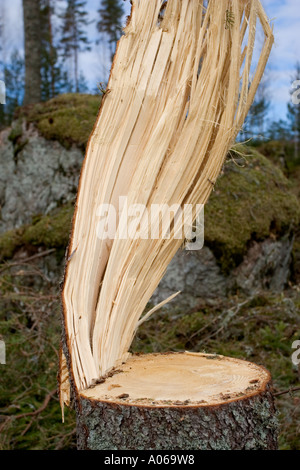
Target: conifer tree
50, 69
111, 13
74, 37
255, 124
2, 62
14, 78
294, 109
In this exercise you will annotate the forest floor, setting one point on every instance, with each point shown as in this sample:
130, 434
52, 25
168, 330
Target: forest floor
260, 329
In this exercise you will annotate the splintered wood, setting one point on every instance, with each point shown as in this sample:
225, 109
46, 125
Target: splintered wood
179, 92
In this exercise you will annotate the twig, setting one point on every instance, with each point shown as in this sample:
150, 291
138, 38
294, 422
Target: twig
215, 320
61, 442
38, 411
27, 427
290, 390
26, 260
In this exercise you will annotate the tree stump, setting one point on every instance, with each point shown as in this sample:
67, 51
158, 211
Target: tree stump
179, 401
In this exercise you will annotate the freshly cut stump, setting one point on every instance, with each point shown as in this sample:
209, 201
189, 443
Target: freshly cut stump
179, 401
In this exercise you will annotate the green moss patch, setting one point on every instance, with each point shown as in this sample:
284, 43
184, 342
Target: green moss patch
68, 118
252, 199
50, 231
10, 242
282, 154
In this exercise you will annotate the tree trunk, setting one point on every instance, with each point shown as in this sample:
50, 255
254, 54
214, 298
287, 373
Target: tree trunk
179, 402
175, 101
32, 30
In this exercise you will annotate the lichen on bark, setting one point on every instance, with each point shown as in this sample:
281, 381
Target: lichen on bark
245, 424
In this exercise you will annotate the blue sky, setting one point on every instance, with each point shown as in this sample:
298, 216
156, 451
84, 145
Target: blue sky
285, 15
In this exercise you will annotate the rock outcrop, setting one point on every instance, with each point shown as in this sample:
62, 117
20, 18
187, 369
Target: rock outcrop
250, 218
41, 176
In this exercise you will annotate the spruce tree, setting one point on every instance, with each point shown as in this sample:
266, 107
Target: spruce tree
74, 37
2, 115
255, 124
294, 110
14, 76
111, 13
50, 69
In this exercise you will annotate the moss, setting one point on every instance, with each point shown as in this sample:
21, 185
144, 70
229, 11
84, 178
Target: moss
68, 118
249, 202
16, 132
10, 242
282, 154
17, 138
51, 230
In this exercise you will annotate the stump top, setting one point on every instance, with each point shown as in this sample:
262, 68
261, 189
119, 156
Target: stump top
181, 379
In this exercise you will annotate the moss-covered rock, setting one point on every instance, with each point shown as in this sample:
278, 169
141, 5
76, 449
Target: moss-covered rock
282, 154
68, 118
37, 175
16, 132
252, 200
10, 242
49, 231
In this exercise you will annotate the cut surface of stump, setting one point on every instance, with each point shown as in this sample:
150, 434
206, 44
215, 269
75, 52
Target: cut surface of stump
179, 401
196, 378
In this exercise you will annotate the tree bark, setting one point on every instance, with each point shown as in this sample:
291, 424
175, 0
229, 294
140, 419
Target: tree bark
238, 419
32, 30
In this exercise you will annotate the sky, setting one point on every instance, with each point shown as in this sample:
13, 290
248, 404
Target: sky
284, 15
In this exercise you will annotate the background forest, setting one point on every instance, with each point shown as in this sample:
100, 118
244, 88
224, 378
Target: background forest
241, 297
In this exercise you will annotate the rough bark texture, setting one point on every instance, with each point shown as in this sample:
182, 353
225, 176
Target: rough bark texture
32, 32
244, 424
